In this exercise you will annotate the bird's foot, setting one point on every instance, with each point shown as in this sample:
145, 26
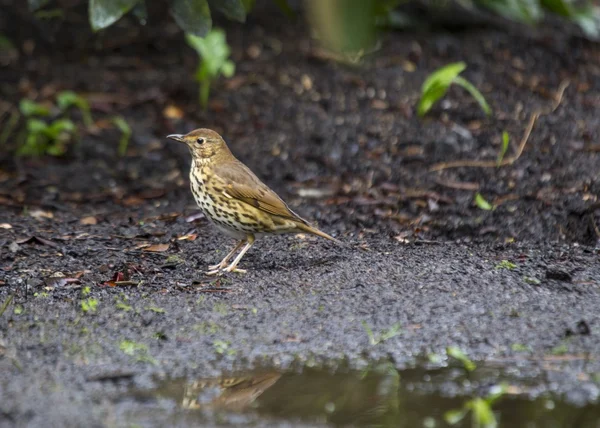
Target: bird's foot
234, 269
217, 267
217, 270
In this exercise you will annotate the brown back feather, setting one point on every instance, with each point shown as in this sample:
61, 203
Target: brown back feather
241, 184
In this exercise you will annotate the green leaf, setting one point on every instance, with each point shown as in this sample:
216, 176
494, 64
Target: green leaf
506, 264
452, 417
588, 20
497, 392
67, 99
559, 7
36, 4
36, 126
213, 49
31, 108
483, 416
125, 129
129, 347
519, 347
104, 13
436, 85
89, 305
193, 16
228, 68
460, 81
59, 126
505, 141
526, 11
232, 9
458, 354
482, 203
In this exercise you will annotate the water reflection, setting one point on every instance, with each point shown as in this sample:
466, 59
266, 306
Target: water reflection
381, 396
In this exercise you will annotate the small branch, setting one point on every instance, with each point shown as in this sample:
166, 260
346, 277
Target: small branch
511, 159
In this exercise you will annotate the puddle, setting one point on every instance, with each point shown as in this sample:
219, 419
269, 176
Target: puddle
380, 396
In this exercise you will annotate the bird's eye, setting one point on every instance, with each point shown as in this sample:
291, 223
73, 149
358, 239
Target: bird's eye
200, 140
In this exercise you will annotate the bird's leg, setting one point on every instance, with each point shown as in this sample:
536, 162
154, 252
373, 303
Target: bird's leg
232, 267
223, 262
214, 269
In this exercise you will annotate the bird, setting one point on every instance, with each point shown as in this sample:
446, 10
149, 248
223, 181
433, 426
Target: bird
234, 199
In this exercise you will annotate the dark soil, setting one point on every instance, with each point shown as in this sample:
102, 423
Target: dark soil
518, 285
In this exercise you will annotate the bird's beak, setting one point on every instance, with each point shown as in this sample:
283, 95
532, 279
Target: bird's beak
176, 137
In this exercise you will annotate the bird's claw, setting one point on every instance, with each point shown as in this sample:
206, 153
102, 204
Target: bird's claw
218, 271
216, 267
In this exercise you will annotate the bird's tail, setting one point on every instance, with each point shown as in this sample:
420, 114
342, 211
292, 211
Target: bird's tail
313, 230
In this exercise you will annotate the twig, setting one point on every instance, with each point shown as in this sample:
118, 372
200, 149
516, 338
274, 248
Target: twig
512, 159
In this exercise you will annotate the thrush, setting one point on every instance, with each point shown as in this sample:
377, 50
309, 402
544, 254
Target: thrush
234, 199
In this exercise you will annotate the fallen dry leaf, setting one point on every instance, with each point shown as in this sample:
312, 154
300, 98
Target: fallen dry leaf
117, 277
89, 220
157, 248
188, 237
39, 214
5, 226
172, 112
36, 240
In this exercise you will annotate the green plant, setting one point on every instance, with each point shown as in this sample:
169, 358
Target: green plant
504, 148
458, 354
482, 203
585, 13
68, 99
192, 16
437, 83
89, 305
220, 346
124, 306
46, 138
386, 334
482, 415
519, 347
137, 350
43, 137
505, 264
214, 53
126, 132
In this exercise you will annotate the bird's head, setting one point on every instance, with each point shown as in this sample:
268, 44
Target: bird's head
204, 144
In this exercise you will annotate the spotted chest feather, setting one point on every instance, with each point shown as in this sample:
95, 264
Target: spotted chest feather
227, 213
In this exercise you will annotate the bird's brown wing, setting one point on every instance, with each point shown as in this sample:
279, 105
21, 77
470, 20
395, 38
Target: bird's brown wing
241, 183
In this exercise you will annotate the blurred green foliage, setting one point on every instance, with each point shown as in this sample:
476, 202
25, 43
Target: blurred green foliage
214, 53
482, 414
437, 83
126, 133
343, 25
46, 129
192, 16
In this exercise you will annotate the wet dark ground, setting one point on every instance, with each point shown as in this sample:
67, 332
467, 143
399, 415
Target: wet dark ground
101, 271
